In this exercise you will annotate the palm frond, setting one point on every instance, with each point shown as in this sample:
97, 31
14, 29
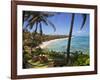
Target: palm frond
38, 18
51, 24
84, 20
35, 31
33, 20
31, 25
26, 15
47, 14
44, 20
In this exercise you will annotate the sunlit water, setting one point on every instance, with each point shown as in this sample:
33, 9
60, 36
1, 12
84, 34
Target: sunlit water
79, 43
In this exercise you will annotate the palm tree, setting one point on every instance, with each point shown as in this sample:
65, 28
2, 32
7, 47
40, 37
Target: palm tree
37, 18
67, 56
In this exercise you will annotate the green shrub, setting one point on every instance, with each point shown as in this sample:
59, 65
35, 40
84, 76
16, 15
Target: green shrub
80, 59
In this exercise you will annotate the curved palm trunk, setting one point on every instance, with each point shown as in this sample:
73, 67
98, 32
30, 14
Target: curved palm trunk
69, 40
33, 37
35, 29
41, 32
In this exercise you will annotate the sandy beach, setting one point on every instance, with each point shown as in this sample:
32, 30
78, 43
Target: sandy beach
46, 43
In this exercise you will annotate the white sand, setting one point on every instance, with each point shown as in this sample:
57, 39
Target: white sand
46, 43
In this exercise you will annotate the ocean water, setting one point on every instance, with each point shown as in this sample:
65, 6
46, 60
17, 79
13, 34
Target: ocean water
78, 43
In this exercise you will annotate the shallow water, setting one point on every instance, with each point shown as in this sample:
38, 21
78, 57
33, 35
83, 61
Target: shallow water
78, 43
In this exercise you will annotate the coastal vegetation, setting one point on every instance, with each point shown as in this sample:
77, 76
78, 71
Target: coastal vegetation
35, 57
43, 58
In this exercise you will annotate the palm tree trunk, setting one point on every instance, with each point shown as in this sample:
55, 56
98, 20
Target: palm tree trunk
41, 32
32, 37
36, 29
69, 39
31, 45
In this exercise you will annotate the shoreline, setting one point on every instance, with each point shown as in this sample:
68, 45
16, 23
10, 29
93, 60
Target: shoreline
46, 43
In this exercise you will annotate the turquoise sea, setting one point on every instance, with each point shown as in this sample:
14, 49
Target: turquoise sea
78, 43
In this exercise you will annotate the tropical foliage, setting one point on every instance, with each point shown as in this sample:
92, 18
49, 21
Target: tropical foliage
34, 56
44, 58
70, 35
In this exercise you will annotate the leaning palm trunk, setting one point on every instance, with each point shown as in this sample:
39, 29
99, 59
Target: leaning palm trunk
69, 41
33, 36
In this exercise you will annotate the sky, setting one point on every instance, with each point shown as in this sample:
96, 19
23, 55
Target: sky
62, 22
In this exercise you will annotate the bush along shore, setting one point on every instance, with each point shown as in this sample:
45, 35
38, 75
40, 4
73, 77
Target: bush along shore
43, 58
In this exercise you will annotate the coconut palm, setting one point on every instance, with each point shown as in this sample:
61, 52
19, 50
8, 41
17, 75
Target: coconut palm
67, 56
36, 19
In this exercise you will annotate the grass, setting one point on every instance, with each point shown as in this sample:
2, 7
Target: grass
42, 59
39, 64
